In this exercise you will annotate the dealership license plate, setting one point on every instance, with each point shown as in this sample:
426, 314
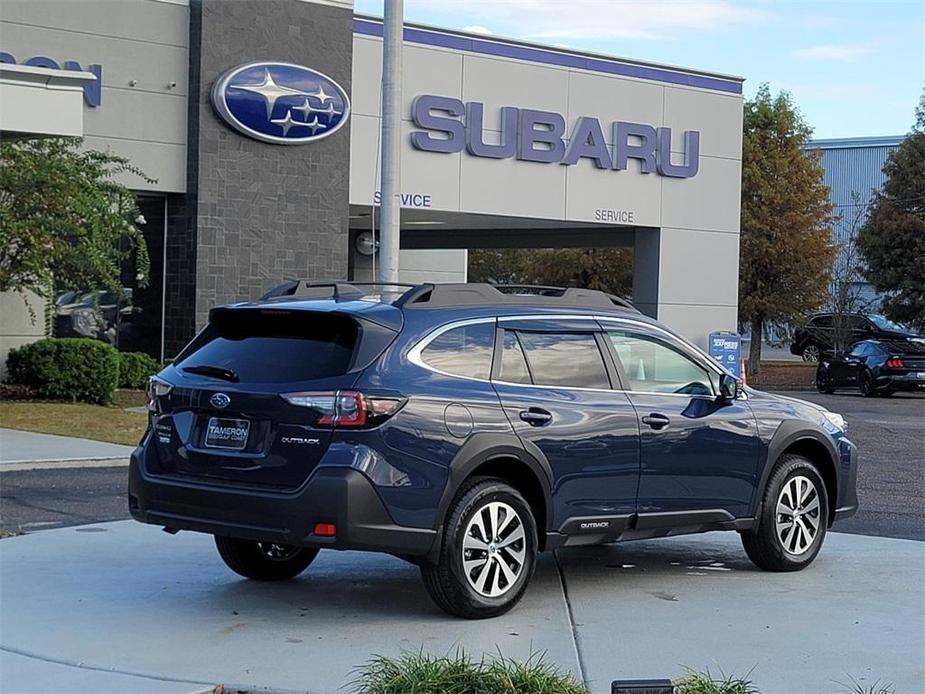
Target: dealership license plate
920, 376
227, 433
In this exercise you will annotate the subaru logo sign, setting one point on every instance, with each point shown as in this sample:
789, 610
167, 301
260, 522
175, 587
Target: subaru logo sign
220, 400
281, 103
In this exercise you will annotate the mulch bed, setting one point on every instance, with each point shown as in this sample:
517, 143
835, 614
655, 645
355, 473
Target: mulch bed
784, 376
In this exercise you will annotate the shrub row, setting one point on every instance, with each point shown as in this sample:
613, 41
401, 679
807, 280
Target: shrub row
78, 369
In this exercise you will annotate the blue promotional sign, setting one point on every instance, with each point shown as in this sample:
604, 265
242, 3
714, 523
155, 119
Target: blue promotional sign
726, 349
280, 103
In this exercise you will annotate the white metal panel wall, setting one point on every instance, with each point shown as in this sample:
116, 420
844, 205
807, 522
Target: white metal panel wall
144, 41
687, 275
462, 182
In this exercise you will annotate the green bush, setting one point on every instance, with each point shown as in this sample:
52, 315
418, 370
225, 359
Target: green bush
706, 683
460, 674
135, 367
67, 369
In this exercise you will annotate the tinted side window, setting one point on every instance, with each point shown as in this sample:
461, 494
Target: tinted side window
653, 367
513, 363
821, 322
565, 359
463, 351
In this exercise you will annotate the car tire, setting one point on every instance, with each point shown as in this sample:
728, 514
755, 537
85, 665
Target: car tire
469, 579
789, 542
811, 352
264, 561
823, 381
866, 384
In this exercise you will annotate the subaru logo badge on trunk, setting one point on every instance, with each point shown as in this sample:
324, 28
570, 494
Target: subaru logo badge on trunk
220, 400
280, 103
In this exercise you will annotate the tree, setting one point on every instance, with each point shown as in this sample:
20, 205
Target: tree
64, 221
892, 242
785, 245
846, 292
607, 269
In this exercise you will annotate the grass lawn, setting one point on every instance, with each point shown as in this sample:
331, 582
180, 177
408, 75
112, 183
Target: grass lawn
96, 422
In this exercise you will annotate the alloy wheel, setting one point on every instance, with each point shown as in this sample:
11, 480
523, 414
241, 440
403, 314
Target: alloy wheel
494, 549
811, 353
798, 515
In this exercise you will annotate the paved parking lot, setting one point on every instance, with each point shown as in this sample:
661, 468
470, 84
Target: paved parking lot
890, 434
891, 483
82, 607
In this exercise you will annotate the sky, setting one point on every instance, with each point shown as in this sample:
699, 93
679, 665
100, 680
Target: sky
855, 68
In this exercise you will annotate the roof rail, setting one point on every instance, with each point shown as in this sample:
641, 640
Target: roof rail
306, 289
477, 294
448, 295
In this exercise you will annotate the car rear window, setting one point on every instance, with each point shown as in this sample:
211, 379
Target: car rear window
270, 346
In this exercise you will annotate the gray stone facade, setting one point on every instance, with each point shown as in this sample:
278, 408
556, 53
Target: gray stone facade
262, 213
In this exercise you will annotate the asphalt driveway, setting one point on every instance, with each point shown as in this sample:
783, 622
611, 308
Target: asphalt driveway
890, 434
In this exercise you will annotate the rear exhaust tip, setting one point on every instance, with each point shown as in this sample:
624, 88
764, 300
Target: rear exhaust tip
171, 531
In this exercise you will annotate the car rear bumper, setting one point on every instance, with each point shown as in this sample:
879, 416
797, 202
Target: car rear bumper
340, 495
907, 381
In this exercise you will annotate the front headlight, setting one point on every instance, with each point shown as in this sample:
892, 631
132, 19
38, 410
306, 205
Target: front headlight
835, 421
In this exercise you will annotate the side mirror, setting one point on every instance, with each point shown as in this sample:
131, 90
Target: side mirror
729, 387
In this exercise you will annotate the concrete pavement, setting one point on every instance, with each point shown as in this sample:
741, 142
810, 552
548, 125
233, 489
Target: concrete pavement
122, 600
26, 448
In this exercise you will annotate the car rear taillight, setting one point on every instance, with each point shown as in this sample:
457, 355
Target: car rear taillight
894, 363
347, 408
156, 388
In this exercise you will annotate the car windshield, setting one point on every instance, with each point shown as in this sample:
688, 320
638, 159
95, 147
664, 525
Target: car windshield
885, 323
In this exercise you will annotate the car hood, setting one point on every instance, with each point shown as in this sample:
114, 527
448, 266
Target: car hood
760, 395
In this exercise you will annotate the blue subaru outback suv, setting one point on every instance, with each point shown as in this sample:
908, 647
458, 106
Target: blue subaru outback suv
466, 427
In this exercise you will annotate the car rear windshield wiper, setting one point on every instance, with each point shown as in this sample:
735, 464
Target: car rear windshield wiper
212, 371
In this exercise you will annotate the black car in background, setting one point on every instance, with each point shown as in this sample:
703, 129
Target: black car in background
819, 335
876, 367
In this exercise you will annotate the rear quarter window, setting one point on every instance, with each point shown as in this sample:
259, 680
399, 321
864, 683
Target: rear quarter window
463, 351
274, 346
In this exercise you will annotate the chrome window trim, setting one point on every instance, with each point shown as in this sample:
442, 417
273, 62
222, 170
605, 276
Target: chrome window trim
416, 352
703, 360
539, 385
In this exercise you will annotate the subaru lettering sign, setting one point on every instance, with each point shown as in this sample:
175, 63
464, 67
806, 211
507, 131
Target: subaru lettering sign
449, 125
281, 103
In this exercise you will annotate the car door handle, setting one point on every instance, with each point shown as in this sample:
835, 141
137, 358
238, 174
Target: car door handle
656, 420
536, 417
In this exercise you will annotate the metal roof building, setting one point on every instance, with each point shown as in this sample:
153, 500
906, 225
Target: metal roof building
854, 172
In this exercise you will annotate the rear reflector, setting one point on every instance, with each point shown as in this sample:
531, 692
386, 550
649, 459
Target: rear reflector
325, 529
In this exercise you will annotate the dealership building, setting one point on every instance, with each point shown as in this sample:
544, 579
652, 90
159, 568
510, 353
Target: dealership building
260, 121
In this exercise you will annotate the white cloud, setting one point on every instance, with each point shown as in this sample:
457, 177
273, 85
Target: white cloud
842, 52
599, 19
476, 29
